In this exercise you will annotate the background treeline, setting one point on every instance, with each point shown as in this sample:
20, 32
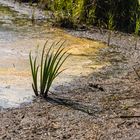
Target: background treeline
123, 15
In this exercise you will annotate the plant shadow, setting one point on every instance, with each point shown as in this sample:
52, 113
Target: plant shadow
88, 109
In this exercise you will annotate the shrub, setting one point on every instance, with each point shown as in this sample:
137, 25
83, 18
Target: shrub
72, 13
49, 68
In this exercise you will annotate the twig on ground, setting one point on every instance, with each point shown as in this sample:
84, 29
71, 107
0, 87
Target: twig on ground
126, 117
136, 72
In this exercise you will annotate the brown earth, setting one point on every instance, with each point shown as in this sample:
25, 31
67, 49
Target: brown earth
104, 105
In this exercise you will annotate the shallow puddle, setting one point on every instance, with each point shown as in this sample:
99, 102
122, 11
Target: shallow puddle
18, 36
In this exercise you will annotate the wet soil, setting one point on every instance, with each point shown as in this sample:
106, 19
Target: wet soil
18, 37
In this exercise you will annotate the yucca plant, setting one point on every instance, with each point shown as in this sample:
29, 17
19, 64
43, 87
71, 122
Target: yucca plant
49, 68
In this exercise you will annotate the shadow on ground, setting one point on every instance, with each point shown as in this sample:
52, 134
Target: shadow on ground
90, 110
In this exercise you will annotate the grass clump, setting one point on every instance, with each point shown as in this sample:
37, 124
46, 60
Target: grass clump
48, 68
111, 26
137, 30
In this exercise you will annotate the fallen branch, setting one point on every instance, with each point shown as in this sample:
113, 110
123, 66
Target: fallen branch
126, 117
136, 72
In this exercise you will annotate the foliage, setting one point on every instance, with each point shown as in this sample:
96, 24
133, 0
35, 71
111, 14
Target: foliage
69, 13
110, 25
49, 68
137, 28
110, 21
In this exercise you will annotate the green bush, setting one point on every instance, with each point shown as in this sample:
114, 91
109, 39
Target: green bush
96, 13
49, 68
72, 13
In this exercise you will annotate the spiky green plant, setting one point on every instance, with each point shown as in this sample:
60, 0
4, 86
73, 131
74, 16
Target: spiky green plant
110, 26
137, 26
49, 68
34, 71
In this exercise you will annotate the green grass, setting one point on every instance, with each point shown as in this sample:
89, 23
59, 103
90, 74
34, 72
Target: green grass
137, 30
48, 68
111, 26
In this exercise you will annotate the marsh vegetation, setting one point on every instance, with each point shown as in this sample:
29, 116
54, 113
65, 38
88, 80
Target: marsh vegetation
121, 15
48, 68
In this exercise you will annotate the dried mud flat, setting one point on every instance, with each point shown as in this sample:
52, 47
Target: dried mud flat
102, 106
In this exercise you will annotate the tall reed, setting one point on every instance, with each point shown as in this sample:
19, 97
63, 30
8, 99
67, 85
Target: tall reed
137, 30
48, 68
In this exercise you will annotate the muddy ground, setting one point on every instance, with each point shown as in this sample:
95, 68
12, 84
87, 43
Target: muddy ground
104, 105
